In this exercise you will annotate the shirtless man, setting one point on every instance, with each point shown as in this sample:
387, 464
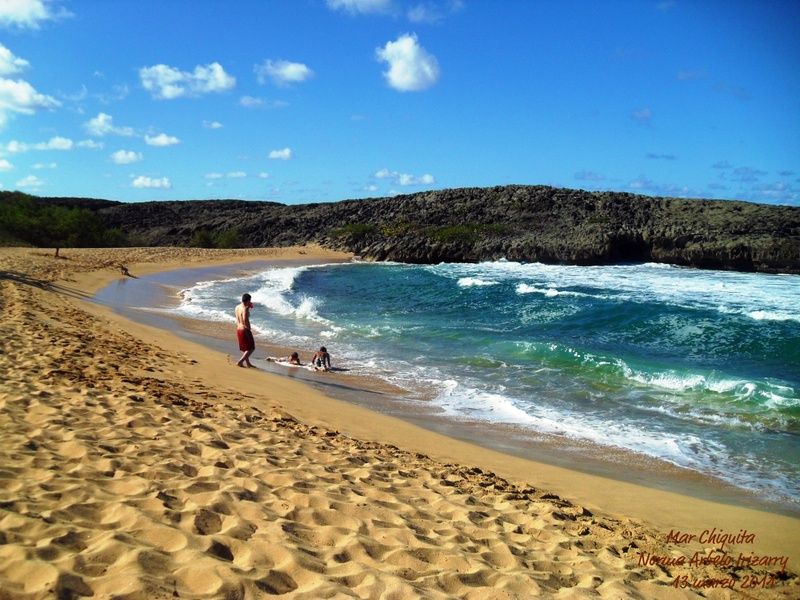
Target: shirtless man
247, 343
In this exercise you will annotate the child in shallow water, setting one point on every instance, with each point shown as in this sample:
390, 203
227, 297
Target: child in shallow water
321, 360
293, 359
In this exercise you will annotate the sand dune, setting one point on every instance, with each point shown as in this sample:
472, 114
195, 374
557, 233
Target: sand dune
125, 473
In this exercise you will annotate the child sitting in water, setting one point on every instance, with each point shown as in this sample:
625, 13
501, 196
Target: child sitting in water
294, 359
321, 360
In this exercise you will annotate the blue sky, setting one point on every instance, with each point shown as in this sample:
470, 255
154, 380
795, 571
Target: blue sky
317, 100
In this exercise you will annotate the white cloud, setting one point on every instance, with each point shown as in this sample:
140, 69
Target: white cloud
28, 13
19, 96
371, 188
424, 13
251, 102
162, 139
426, 179
284, 154
143, 181
263, 175
31, 181
236, 174
91, 144
254, 102
282, 72
411, 67
355, 7
5, 165
54, 143
405, 178
9, 63
126, 157
212, 125
103, 124
40, 166
214, 176
166, 83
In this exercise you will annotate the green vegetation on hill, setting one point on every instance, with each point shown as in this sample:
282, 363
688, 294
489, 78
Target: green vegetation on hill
522, 223
26, 220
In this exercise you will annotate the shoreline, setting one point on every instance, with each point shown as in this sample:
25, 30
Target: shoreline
377, 395
593, 504
559, 472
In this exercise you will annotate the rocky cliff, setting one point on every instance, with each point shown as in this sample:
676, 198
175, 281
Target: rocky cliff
526, 223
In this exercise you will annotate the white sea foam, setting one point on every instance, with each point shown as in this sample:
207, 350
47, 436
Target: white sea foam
754, 295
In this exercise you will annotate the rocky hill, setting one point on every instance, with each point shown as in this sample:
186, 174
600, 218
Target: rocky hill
526, 223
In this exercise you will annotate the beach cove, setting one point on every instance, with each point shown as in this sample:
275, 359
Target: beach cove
139, 464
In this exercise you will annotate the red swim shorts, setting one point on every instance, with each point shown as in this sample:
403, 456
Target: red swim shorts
246, 341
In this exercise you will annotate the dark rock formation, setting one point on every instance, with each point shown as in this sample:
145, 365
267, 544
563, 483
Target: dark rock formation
525, 223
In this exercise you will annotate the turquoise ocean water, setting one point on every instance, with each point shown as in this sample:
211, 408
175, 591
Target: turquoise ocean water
697, 368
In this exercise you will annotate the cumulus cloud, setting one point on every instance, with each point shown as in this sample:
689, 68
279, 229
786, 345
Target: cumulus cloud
142, 181
411, 67
19, 96
405, 178
212, 125
91, 144
9, 63
166, 83
31, 181
282, 72
103, 124
283, 154
162, 139
29, 13
5, 165
126, 157
355, 7
40, 166
54, 143
263, 175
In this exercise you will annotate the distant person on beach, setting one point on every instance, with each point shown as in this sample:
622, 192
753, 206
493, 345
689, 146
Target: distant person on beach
321, 360
247, 344
293, 359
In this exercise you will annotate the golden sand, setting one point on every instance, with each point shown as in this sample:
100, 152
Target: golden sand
137, 465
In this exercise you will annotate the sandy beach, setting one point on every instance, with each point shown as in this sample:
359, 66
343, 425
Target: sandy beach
136, 464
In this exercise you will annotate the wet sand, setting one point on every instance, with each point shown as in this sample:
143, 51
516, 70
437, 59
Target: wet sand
139, 464
149, 300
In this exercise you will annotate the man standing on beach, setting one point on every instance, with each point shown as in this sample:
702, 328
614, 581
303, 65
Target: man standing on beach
247, 344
